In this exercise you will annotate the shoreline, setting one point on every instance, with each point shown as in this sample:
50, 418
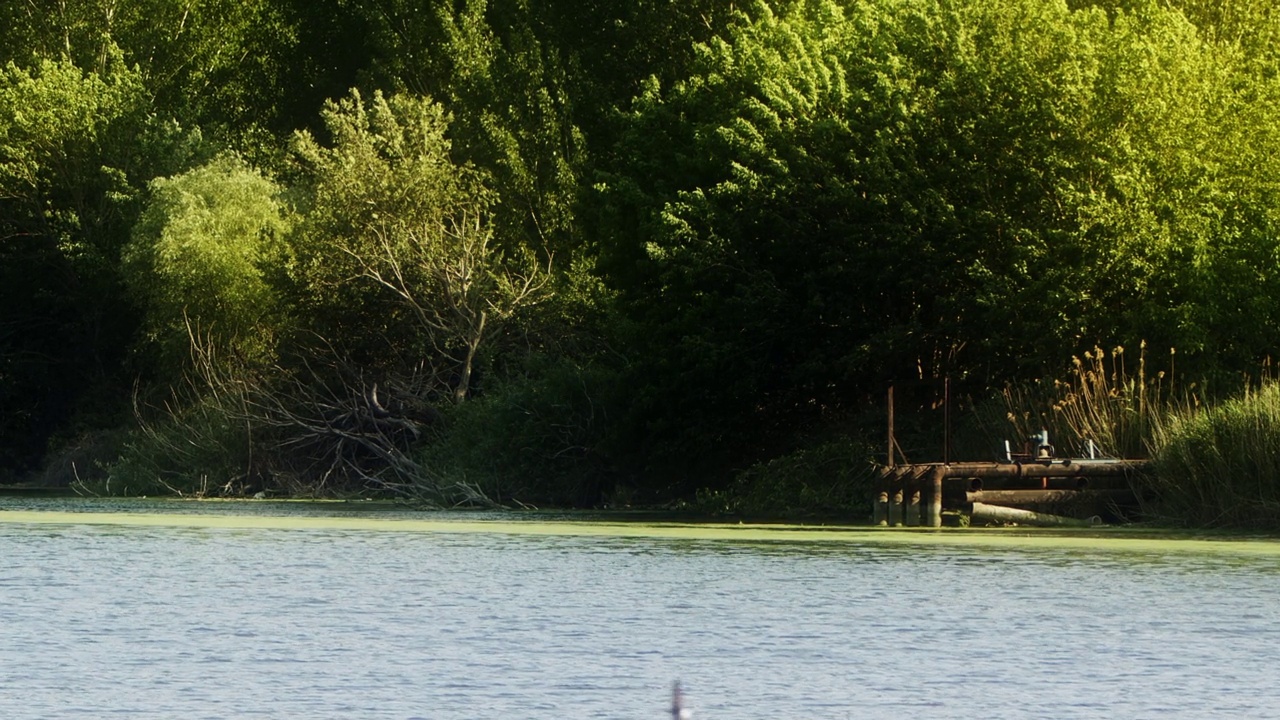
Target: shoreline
374, 516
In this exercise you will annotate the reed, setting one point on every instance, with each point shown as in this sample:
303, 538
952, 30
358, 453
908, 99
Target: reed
1101, 402
1219, 466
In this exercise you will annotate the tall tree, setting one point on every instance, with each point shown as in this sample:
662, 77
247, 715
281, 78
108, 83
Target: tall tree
70, 144
391, 210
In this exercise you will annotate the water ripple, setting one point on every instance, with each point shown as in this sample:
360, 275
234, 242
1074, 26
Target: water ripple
154, 623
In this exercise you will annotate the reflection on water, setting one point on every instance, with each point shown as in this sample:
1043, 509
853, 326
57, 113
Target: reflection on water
165, 622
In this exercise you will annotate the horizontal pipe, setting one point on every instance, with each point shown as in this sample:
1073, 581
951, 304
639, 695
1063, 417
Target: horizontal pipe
1057, 468
1015, 470
1068, 482
1033, 497
1116, 482
998, 513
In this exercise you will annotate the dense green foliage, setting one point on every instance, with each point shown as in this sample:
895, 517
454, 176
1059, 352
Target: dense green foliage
200, 257
583, 253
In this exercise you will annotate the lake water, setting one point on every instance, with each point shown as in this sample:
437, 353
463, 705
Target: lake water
230, 611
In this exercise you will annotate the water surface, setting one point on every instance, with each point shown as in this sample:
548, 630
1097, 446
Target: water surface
215, 611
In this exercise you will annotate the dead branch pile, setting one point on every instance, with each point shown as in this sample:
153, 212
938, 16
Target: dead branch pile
321, 430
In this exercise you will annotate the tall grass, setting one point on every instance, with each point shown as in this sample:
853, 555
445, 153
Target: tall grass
1220, 466
201, 449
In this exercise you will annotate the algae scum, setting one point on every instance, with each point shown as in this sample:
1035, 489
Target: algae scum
386, 517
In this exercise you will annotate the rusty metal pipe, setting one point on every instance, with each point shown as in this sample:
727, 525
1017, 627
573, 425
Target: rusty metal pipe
1057, 468
912, 510
1034, 497
1042, 483
933, 513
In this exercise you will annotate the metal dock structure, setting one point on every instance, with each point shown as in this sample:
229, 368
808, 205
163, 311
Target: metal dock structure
919, 495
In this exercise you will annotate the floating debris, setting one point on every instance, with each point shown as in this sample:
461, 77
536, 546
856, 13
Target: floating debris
678, 710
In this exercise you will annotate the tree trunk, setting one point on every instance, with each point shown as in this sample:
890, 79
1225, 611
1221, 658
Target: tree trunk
464, 381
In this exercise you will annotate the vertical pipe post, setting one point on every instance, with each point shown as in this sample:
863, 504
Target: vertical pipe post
946, 420
889, 454
880, 509
913, 507
895, 509
933, 513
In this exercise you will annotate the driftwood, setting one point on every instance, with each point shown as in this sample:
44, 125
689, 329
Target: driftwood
322, 429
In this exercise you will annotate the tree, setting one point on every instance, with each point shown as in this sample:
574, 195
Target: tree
390, 209
68, 180
741, 225
840, 195
1175, 216
202, 259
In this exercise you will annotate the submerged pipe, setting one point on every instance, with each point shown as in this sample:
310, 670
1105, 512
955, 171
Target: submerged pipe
998, 513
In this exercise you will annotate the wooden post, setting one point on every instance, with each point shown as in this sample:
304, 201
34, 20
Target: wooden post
880, 509
946, 420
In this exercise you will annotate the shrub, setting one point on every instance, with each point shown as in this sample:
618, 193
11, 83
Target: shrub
535, 438
1099, 402
201, 450
828, 479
